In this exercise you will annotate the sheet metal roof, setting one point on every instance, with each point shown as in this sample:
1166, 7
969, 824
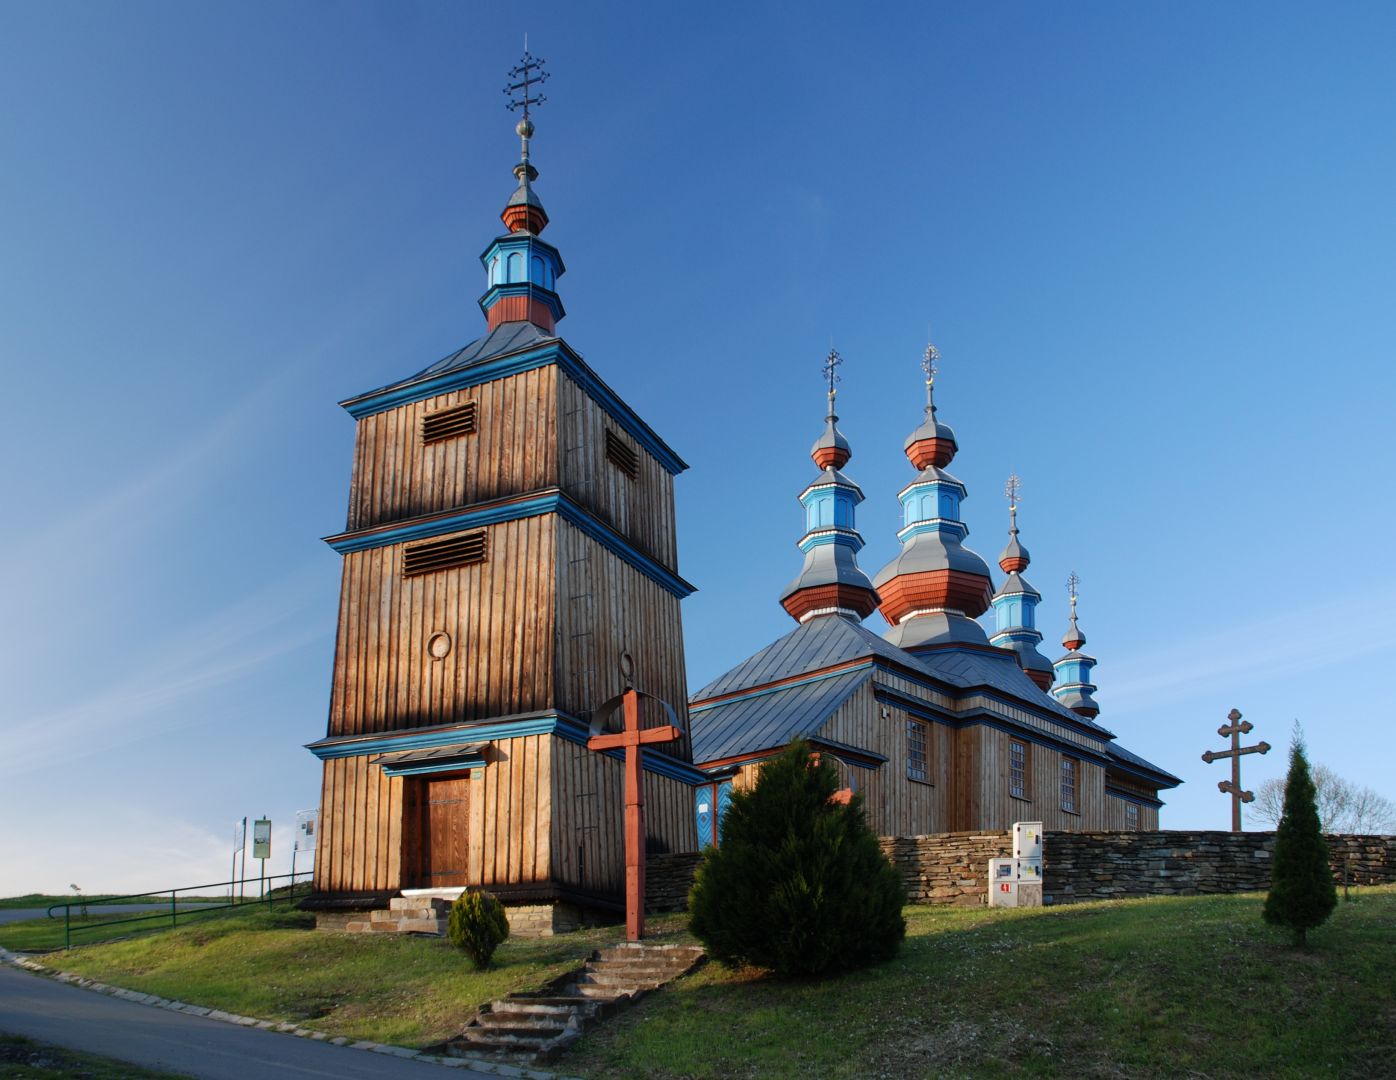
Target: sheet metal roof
771, 719
506, 338
1123, 755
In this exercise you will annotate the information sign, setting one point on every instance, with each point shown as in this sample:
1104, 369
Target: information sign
261, 838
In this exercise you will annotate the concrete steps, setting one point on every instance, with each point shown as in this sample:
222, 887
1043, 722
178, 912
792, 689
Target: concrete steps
538, 1027
405, 915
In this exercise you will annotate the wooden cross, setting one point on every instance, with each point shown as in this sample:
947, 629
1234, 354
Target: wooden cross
843, 796
632, 739
1235, 729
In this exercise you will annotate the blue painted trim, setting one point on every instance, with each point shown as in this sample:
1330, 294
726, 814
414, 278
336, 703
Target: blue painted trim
523, 240
523, 288
459, 765
831, 534
561, 725
552, 501
1132, 796
555, 352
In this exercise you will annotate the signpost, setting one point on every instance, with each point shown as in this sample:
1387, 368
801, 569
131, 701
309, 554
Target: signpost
305, 837
1235, 730
261, 848
632, 738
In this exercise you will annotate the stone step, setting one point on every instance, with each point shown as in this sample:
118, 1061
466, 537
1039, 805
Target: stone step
629, 950
639, 968
553, 1006
605, 993
434, 904
517, 1031
470, 1040
618, 978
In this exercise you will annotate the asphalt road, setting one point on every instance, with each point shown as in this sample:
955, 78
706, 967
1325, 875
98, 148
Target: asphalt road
69, 1016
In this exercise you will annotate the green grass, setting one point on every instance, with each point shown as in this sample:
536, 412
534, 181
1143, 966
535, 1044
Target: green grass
405, 990
45, 934
44, 900
24, 1058
1163, 987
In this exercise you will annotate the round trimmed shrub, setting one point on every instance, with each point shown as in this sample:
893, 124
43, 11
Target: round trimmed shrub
477, 926
799, 885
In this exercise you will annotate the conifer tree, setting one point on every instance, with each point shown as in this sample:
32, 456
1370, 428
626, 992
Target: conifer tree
799, 884
1302, 894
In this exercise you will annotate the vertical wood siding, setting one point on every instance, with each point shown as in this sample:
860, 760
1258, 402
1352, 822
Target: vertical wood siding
498, 613
607, 607
642, 509
588, 838
514, 448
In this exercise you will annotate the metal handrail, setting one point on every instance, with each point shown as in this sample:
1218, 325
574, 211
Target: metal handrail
267, 895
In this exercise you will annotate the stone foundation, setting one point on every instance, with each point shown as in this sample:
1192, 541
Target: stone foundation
668, 878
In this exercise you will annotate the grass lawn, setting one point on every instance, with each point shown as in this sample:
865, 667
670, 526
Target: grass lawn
410, 991
24, 1058
44, 934
1196, 987
43, 900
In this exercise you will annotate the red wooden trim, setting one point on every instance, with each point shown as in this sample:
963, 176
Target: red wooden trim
958, 590
521, 309
822, 597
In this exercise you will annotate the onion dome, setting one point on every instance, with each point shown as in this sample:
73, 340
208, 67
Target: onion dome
933, 443
1015, 604
522, 270
1074, 687
831, 582
934, 590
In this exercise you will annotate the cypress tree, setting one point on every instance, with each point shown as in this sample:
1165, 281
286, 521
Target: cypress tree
1302, 894
799, 885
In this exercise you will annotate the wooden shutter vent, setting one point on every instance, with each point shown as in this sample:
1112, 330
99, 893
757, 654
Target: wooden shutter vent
448, 423
445, 554
621, 456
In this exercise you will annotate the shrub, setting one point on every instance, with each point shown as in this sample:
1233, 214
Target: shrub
1302, 894
799, 885
477, 926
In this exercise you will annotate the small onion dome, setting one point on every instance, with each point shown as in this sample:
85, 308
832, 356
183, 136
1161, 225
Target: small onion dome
1073, 639
933, 443
1014, 559
524, 212
933, 572
831, 449
1038, 668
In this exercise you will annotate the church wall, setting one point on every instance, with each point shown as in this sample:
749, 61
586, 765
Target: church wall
366, 835
607, 607
359, 847
588, 840
1117, 819
896, 805
640, 509
513, 449
994, 808
510, 808
498, 614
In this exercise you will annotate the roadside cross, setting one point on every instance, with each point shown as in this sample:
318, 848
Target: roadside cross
1232, 787
632, 738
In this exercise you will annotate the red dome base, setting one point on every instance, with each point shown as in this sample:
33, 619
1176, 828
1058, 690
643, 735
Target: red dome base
937, 452
957, 590
824, 597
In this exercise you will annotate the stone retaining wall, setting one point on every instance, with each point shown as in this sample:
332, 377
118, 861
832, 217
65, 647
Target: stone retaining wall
953, 868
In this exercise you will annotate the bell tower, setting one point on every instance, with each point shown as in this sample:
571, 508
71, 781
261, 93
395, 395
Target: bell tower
510, 536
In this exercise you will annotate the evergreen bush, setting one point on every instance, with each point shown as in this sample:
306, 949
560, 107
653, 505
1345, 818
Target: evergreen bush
1302, 894
477, 926
799, 885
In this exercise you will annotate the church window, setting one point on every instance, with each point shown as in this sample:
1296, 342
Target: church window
515, 265
1069, 785
1132, 816
622, 456
445, 554
448, 423
1018, 769
917, 761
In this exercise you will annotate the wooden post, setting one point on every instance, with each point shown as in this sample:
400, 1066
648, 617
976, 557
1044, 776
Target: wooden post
632, 739
1235, 730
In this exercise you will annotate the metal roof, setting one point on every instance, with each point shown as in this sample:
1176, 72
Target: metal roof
1123, 755
770, 719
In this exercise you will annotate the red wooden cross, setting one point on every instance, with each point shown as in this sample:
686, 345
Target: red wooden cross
632, 739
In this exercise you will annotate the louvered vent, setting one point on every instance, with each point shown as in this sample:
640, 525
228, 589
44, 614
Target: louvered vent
444, 554
621, 456
448, 423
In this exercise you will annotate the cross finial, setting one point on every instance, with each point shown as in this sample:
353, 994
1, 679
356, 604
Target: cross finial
524, 78
1073, 582
831, 373
930, 364
1011, 489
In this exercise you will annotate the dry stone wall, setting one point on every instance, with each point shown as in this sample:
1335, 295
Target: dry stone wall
953, 868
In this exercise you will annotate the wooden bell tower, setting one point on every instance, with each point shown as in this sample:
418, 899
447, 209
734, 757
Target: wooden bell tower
510, 535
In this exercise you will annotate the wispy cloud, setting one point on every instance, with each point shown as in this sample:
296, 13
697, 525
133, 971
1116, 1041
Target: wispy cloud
200, 657
1275, 646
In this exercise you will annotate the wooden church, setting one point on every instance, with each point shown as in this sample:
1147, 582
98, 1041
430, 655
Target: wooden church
510, 548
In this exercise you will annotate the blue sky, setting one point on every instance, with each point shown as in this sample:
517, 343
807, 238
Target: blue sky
1154, 244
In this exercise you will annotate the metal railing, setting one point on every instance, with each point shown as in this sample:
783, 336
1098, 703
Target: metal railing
83, 916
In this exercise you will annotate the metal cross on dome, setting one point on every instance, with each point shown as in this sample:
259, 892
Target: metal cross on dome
1073, 582
831, 370
528, 74
1011, 490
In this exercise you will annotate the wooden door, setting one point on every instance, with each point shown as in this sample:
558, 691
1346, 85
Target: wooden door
444, 832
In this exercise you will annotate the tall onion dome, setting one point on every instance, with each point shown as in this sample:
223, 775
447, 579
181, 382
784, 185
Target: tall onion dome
831, 582
522, 270
1015, 604
1074, 686
935, 589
